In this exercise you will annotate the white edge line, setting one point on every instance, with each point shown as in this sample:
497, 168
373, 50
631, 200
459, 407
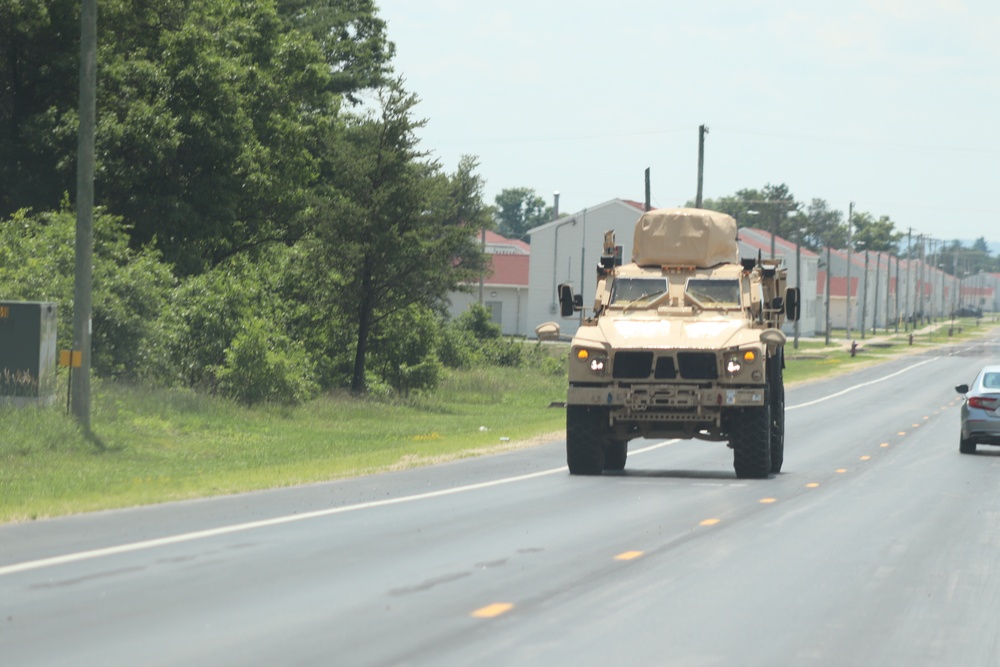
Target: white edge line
859, 386
252, 525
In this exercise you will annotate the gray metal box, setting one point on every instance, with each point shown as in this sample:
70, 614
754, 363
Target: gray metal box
27, 352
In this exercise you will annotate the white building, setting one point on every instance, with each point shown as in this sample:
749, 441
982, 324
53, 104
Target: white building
568, 250
504, 286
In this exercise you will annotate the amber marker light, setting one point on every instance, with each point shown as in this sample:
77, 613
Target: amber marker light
749, 356
582, 355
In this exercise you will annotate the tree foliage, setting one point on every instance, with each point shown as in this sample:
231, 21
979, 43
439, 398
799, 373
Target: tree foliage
131, 289
401, 230
519, 210
207, 112
875, 235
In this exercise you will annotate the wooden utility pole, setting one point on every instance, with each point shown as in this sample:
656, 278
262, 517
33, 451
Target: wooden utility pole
82, 302
850, 242
909, 287
702, 131
648, 203
829, 274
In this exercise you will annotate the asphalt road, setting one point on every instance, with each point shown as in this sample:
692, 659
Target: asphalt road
878, 544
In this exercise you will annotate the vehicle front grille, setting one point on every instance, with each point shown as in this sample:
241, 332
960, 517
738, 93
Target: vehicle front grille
687, 366
665, 369
633, 365
698, 365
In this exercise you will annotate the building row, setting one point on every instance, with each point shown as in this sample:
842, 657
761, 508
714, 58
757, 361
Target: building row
869, 290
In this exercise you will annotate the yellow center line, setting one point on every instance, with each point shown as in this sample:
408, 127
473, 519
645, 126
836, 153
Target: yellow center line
926, 417
768, 501
628, 555
865, 457
915, 425
884, 444
709, 522
901, 433
812, 485
841, 470
492, 610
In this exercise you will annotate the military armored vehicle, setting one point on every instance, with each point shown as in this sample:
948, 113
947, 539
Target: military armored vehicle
683, 342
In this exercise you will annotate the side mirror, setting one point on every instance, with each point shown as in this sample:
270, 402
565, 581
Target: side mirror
962, 389
792, 304
567, 301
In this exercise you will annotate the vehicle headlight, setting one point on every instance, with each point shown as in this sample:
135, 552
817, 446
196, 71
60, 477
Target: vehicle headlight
738, 361
595, 361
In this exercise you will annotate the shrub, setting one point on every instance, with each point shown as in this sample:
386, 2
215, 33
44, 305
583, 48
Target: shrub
263, 365
130, 287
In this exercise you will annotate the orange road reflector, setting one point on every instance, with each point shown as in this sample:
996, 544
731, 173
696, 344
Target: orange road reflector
492, 610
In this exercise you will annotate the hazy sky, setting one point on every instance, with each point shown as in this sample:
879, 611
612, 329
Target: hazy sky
892, 104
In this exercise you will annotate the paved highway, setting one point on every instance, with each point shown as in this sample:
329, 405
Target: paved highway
878, 544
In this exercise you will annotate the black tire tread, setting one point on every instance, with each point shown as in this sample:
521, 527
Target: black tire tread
750, 437
615, 455
584, 448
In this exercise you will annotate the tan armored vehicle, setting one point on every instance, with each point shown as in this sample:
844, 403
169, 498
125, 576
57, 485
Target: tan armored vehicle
683, 342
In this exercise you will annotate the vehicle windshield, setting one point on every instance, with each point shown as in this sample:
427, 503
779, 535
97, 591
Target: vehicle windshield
709, 293
630, 290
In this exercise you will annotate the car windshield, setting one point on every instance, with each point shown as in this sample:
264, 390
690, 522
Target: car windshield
629, 290
710, 293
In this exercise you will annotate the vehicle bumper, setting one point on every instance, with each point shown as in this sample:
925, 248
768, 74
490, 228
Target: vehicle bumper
643, 398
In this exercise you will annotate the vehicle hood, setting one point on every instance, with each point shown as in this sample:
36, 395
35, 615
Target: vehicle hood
694, 333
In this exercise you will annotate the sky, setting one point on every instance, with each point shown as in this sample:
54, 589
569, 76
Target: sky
890, 104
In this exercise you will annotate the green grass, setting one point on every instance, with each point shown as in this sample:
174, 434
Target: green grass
152, 446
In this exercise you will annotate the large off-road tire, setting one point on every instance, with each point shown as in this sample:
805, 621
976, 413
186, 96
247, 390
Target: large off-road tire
584, 441
750, 436
776, 389
615, 453
966, 446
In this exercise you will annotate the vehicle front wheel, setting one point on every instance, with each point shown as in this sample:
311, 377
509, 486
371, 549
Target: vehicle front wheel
750, 436
615, 454
584, 444
776, 389
966, 446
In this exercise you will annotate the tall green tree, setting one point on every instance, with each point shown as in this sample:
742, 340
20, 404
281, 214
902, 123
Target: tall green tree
351, 37
398, 231
519, 210
207, 112
767, 209
825, 226
876, 235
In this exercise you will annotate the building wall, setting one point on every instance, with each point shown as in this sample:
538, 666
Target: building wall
568, 250
509, 305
